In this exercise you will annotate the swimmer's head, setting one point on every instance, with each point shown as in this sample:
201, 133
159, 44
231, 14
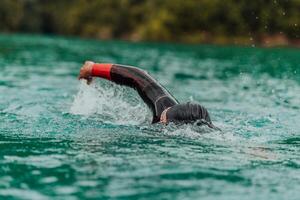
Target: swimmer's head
187, 113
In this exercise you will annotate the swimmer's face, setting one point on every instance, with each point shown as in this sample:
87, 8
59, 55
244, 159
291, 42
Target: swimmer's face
163, 116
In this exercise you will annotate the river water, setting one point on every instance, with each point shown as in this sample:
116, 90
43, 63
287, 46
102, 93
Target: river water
63, 139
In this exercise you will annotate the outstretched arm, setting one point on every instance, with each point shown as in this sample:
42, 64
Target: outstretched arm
120, 74
153, 94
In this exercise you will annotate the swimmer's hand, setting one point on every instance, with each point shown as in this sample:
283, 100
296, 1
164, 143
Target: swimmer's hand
86, 72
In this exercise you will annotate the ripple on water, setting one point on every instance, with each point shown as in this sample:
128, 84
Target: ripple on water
63, 139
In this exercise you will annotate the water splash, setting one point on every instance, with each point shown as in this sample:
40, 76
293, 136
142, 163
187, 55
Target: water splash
111, 103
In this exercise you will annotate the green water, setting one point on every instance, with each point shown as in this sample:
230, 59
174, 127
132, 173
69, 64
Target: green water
62, 139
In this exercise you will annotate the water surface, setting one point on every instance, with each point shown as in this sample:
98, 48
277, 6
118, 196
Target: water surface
62, 139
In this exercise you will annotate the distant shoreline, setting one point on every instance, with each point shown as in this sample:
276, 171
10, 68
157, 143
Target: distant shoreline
252, 23
265, 41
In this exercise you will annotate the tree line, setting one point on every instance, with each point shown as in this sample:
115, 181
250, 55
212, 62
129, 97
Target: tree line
193, 21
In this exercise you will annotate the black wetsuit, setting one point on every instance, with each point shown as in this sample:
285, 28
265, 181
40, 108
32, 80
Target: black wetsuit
153, 94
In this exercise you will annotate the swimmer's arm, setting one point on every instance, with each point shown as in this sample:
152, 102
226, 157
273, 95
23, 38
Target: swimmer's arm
147, 87
122, 75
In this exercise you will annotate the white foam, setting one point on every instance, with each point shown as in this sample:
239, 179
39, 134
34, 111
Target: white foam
112, 103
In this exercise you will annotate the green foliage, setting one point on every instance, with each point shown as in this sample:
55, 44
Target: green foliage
167, 20
11, 12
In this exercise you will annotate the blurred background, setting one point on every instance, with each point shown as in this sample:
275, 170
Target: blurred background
261, 22
61, 139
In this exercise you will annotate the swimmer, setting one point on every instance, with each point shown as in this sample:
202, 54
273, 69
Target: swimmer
164, 106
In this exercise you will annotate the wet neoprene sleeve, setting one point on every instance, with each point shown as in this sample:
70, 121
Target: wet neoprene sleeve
153, 94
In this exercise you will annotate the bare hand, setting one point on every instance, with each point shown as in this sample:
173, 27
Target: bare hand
86, 71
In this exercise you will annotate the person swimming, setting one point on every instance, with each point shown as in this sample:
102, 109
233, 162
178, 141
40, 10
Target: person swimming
164, 106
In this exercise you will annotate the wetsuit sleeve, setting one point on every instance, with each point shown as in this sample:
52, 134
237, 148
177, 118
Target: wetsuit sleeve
102, 70
123, 75
153, 94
